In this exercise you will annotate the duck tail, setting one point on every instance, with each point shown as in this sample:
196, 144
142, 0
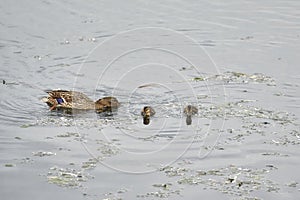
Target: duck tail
45, 99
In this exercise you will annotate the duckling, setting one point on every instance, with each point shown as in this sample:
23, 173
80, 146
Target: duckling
72, 100
147, 112
107, 104
189, 111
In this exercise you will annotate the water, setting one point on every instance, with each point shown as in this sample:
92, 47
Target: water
236, 61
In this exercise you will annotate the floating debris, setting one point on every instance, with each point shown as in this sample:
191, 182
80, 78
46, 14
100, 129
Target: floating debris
199, 79
92, 39
164, 186
43, 153
27, 125
37, 57
26, 160
292, 184
274, 154
66, 177
174, 171
9, 165
238, 77
108, 149
68, 134
232, 180
65, 42
150, 85
159, 194
241, 109
90, 164
115, 195
247, 38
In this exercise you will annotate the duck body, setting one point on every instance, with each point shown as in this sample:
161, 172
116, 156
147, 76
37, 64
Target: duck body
72, 100
147, 111
190, 110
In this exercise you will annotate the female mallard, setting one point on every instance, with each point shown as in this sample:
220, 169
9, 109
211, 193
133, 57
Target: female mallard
72, 100
189, 111
147, 112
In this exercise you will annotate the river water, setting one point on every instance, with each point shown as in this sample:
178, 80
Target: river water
236, 61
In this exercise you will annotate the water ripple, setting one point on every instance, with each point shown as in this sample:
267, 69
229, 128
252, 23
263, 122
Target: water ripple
18, 105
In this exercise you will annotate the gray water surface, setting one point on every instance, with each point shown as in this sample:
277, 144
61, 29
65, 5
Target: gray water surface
236, 61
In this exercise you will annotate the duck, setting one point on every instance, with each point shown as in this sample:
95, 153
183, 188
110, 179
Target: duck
73, 100
147, 112
189, 111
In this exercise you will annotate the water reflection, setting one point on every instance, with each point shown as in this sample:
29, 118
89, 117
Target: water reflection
188, 120
146, 120
108, 114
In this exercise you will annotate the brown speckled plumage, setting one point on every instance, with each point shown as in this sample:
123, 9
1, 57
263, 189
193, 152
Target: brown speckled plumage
64, 99
147, 111
190, 110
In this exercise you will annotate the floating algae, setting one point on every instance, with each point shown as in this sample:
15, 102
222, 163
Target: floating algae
27, 125
232, 180
43, 153
66, 177
174, 171
162, 193
90, 164
238, 77
116, 195
241, 109
68, 134
9, 165
107, 149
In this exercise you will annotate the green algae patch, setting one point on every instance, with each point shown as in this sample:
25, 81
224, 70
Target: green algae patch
9, 165
198, 79
26, 125
238, 74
